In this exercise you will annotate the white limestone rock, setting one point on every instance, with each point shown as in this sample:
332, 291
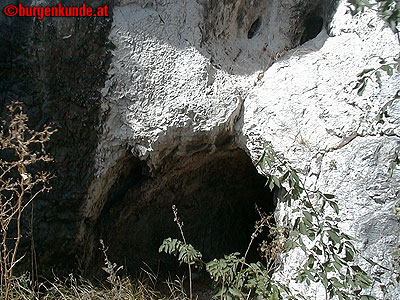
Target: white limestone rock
306, 107
169, 93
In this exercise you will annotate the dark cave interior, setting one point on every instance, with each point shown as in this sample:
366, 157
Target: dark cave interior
313, 25
215, 195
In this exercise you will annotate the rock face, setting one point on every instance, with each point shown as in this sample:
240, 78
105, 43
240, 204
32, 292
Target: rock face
332, 134
171, 102
177, 84
57, 68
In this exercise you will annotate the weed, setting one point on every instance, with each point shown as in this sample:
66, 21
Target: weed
330, 253
21, 148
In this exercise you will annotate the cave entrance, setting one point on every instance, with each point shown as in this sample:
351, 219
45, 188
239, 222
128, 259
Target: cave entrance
215, 195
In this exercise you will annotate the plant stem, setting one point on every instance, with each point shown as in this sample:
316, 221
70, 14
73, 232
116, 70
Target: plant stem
180, 225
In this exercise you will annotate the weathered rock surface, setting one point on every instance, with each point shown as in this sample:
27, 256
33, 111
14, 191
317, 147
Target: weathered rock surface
306, 108
179, 77
57, 68
190, 87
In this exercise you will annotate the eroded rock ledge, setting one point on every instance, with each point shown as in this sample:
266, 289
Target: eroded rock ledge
174, 93
181, 72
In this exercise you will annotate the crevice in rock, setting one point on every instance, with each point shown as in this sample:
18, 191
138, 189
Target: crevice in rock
244, 35
254, 28
215, 194
313, 24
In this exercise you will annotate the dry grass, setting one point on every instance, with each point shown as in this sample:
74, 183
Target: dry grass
80, 289
115, 288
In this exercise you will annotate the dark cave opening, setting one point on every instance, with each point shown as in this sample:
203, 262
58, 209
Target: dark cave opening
215, 195
313, 25
254, 28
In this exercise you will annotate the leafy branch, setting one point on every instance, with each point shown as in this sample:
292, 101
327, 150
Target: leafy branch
186, 252
390, 66
330, 252
389, 10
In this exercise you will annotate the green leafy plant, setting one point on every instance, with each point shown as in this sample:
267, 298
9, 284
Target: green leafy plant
225, 273
330, 253
389, 10
233, 277
186, 252
388, 65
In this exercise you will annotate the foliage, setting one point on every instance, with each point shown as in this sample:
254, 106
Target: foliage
390, 67
21, 150
280, 171
185, 252
225, 273
390, 13
389, 10
231, 274
330, 253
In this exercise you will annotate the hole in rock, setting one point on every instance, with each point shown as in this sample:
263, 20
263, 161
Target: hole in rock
254, 28
313, 25
215, 195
